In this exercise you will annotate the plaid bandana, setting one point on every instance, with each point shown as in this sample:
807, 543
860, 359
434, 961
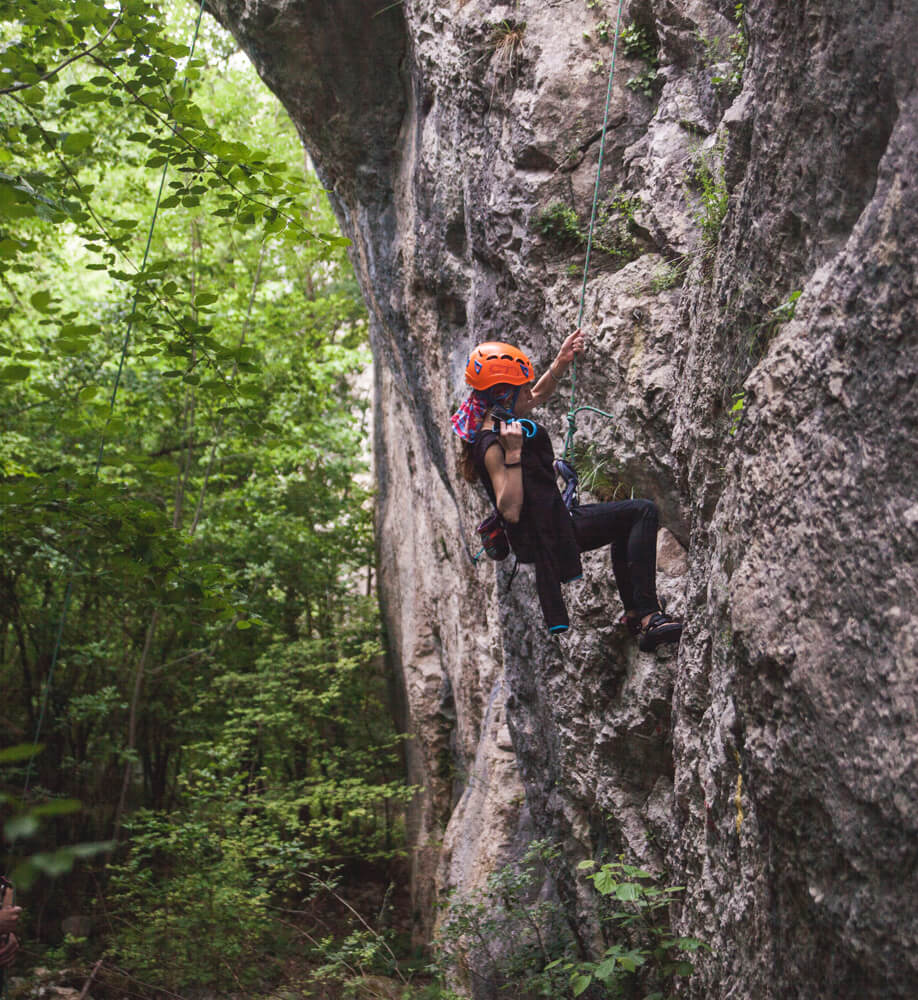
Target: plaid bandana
467, 419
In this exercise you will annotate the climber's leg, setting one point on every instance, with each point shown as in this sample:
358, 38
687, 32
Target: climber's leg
629, 527
642, 555
619, 549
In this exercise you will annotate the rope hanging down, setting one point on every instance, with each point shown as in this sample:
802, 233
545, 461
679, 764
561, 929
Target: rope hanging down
572, 413
111, 409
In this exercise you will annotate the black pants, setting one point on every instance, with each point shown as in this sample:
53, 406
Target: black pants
630, 528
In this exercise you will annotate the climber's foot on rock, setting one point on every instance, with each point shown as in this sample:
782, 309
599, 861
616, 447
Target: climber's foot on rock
632, 623
660, 628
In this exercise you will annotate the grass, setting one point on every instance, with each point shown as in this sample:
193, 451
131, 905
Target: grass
506, 43
706, 176
600, 475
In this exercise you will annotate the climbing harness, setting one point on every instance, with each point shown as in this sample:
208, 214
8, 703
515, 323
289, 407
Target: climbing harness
68, 593
572, 413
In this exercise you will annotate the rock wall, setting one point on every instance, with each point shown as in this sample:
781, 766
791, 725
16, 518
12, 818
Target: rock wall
752, 322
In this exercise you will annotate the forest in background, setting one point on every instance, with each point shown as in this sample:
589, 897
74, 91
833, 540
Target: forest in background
198, 751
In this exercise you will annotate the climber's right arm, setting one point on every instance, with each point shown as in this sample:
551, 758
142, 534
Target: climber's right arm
503, 463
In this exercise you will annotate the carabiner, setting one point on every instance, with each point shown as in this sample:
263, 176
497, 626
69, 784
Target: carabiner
529, 429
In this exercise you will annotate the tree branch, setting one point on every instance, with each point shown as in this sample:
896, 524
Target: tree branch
211, 161
66, 62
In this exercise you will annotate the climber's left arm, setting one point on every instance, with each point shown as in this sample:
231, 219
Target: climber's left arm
529, 399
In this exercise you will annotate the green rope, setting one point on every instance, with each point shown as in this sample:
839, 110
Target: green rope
572, 413
111, 409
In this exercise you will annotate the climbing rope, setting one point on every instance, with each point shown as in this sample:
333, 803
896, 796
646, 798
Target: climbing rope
572, 413
111, 409
574, 410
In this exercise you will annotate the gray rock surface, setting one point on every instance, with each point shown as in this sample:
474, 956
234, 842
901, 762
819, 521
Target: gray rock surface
771, 766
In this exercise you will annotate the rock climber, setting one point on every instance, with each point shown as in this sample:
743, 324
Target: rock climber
513, 458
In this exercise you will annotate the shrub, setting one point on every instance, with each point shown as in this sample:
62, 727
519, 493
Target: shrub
707, 176
560, 224
640, 921
506, 935
638, 43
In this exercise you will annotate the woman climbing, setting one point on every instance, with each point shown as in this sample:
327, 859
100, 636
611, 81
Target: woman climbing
513, 458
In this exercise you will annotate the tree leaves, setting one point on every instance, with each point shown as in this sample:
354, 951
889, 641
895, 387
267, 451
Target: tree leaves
14, 373
157, 409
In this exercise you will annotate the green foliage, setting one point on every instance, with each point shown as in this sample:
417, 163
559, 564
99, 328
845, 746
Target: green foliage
736, 411
183, 471
25, 819
614, 233
645, 947
513, 939
187, 908
738, 51
507, 935
752, 343
639, 43
669, 275
707, 177
506, 43
615, 230
604, 26
784, 312
600, 474
560, 224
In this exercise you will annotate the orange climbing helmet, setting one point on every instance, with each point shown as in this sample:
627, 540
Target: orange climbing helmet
495, 363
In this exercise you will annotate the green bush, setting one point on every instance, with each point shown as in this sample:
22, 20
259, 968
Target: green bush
707, 177
506, 935
560, 224
513, 939
638, 43
614, 232
732, 83
188, 908
645, 950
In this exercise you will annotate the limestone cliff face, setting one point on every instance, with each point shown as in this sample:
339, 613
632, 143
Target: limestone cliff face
771, 766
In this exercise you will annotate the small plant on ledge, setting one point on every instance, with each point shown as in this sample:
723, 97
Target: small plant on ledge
615, 233
638, 43
560, 224
707, 177
731, 84
506, 43
645, 953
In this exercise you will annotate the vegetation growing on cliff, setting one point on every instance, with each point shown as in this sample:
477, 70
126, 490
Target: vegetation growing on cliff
513, 937
615, 234
639, 43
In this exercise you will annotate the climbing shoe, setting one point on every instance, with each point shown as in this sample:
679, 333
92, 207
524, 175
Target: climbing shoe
661, 628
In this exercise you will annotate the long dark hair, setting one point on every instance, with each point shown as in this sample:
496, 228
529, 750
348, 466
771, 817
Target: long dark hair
465, 463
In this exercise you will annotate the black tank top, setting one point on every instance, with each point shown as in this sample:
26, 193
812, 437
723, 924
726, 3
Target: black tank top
545, 523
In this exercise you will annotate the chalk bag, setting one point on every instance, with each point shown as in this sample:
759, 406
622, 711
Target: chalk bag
494, 537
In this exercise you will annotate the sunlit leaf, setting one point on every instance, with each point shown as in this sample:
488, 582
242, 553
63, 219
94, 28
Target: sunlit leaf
24, 825
21, 751
14, 373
